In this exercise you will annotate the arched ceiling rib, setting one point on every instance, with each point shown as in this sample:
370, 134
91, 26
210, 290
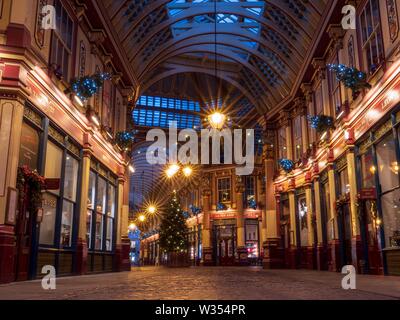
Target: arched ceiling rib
267, 40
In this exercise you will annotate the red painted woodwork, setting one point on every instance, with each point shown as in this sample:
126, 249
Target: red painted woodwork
273, 255
122, 256
207, 260
23, 232
7, 253
81, 257
18, 36
356, 253
322, 254
242, 257
309, 257
334, 263
293, 257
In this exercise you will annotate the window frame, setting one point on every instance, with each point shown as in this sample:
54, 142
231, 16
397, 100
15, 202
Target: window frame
229, 189
94, 213
60, 196
57, 38
360, 39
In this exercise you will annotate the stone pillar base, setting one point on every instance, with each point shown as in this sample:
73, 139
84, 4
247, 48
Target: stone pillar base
122, 262
207, 260
242, 257
334, 263
357, 257
7, 253
273, 255
322, 263
81, 257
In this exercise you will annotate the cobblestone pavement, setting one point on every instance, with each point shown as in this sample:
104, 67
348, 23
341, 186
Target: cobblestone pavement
233, 283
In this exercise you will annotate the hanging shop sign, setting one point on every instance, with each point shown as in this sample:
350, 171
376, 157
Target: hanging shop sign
51, 184
367, 194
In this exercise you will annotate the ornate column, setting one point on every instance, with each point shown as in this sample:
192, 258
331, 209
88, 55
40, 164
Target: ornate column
294, 243
319, 65
82, 245
310, 261
261, 201
289, 138
11, 111
333, 246
321, 245
356, 241
271, 242
122, 247
240, 224
207, 257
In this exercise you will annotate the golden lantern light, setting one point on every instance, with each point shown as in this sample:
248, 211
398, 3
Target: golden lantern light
217, 120
187, 171
172, 170
152, 209
132, 226
142, 218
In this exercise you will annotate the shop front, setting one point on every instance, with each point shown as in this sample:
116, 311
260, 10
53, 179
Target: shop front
224, 242
49, 235
379, 197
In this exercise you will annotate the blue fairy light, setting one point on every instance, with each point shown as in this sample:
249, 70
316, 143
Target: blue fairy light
221, 206
287, 165
88, 86
252, 203
352, 78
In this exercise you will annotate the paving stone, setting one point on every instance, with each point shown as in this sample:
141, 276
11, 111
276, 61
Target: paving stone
204, 283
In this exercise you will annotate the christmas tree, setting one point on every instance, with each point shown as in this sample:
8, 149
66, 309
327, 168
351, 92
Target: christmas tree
173, 229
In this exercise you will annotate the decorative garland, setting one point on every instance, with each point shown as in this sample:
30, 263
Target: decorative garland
87, 86
35, 184
221, 207
252, 203
352, 78
286, 164
321, 123
124, 139
195, 210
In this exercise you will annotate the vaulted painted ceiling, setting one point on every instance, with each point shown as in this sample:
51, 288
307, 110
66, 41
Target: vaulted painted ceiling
259, 47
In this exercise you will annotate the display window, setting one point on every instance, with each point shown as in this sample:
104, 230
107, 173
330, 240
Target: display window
101, 209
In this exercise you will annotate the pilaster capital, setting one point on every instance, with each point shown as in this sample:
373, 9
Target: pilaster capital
336, 33
319, 64
330, 156
306, 89
291, 185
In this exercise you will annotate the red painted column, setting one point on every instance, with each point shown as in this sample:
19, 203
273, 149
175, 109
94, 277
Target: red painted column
7, 254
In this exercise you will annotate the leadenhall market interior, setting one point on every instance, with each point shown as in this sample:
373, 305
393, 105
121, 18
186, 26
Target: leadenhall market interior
82, 82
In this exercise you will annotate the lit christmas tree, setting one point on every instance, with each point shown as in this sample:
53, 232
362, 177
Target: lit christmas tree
173, 229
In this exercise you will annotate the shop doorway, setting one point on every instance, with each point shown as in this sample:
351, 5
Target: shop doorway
369, 232
344, 224
225, 244
25, 225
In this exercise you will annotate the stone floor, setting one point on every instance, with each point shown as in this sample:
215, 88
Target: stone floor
233, 283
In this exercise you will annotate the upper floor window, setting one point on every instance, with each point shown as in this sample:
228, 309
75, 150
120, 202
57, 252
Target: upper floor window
318, 100
297, 138
334, 89
224, 190
61, 46
372, 43
282, 143
250, 190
